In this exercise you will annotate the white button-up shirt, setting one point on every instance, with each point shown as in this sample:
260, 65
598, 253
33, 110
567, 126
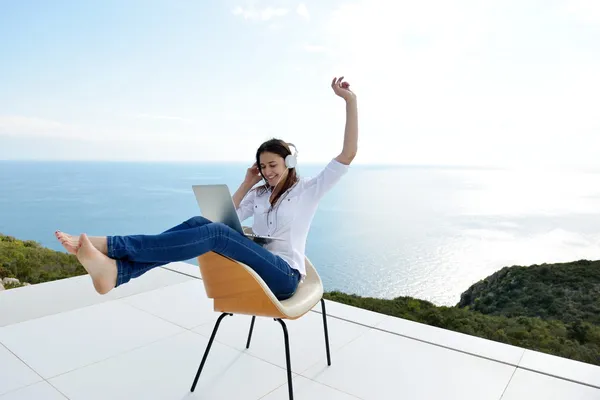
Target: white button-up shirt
291, 217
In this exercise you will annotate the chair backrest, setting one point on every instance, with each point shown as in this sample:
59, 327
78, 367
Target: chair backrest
237, 288
312, 276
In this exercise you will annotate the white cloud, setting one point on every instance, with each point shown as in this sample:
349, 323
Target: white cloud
302, 11
264, 14
20, 126
311, 48
468, 82
138, 137
163, 117
16, 125
583, 10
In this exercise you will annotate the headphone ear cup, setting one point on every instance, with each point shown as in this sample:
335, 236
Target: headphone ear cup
290, 161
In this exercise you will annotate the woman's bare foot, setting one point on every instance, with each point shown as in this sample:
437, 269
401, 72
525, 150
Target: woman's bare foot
101, 268
71, 243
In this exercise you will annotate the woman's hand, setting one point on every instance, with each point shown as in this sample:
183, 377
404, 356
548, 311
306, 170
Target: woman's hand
253, 175
350, 148
342, 89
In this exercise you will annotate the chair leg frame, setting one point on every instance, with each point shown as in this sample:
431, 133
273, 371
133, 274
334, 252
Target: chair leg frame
210, 342
326, 331
288, 360
286, 341
250, 333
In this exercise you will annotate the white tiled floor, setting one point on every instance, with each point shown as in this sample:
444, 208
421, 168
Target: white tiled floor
306, 389
383, 366
13, 372
184, 304
18, 305
41, 391
455, 340
149, 345
558, 366
59, 343
530, 385
166, 370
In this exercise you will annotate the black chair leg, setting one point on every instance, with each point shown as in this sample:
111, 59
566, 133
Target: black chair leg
250, 333
287, 358
210, 342
326, 332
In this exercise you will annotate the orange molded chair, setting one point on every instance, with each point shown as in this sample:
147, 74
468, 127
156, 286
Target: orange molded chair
236, 289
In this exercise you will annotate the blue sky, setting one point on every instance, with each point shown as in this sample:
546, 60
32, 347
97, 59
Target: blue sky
438, 82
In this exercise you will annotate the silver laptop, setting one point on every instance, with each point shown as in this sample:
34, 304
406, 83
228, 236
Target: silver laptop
216, 204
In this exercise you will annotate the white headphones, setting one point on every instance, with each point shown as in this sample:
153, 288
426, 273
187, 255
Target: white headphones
292, 159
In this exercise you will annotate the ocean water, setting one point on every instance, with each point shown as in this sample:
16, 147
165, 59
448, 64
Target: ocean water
384, 231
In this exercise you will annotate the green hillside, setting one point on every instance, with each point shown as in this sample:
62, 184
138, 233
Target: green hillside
569, 292
29, 262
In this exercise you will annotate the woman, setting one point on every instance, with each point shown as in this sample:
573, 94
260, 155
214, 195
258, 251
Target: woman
283, 207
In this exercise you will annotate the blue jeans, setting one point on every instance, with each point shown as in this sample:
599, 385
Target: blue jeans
137, 254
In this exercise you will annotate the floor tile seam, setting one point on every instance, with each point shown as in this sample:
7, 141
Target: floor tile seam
21, 360
42, 379
315, 381
330, 386
550, 375
338, 349
150, 313
21, 388
508, 383
512, 375
124, 352
57, 389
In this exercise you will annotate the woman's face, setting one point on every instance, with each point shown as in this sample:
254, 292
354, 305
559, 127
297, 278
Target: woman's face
272, 167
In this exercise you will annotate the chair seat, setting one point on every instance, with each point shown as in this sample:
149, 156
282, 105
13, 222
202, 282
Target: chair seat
236, 288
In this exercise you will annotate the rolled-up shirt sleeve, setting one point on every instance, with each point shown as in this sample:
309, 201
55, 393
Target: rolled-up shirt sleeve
246, 208
326, 179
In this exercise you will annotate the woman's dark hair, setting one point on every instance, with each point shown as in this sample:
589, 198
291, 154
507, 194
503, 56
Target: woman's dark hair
281, 148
